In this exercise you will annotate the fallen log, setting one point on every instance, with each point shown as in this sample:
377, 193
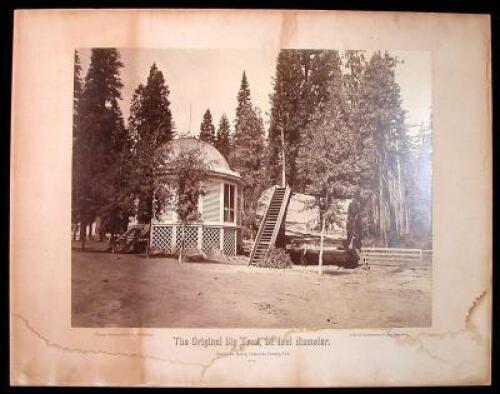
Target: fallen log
307, 254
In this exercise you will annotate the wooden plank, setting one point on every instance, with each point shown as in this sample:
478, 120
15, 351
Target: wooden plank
405, 257
315, 250
388, 264
389, 250
400, 262
392, 254
391, 259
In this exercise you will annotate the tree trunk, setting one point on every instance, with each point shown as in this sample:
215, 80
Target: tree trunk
182, 244
321, 246
375, 216
112, 242
148, 246
407, 218
402, 201
379, 205
99, 227
382, 217
83, 233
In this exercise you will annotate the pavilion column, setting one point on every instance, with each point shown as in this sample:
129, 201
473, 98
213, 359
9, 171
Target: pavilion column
221, 240
174, 238
200, 237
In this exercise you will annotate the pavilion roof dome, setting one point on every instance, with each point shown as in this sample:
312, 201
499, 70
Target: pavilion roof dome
212, 157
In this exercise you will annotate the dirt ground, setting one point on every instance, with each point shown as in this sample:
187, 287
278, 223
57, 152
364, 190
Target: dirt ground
120, 290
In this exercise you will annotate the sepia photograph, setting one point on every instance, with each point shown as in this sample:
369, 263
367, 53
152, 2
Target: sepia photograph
226, 188
250, 198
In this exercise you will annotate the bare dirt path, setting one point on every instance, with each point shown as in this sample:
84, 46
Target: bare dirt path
118, 290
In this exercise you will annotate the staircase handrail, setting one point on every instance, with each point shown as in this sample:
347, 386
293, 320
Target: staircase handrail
261, 227
283, 208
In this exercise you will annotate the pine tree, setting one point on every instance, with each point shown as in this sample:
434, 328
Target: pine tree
118, 185
247, 153
362, 127
247, 158
77, 148
207, 128
300, 88
332, 159
244, 99
151, 127
159, 124
98, 119
355, 66
222, 139
419, 173
77, 86
332, 162
383, 130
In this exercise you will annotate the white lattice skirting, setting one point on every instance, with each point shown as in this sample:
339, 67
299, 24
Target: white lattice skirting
167, 237
230, 242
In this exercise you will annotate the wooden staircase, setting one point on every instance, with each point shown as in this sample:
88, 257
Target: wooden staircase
270, 224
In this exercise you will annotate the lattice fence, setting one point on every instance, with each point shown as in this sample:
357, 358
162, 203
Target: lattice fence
230, 241
211, 238
162, 238
190, 237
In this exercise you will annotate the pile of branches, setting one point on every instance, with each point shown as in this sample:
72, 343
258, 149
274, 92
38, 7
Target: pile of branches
277, 258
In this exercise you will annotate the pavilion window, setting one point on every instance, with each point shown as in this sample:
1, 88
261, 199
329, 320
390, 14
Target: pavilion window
229, 203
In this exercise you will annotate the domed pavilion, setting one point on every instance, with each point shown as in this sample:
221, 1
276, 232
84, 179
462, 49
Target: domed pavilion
219, 208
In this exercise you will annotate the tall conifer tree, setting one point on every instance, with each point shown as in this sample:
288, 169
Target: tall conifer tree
99, 122
247, 155
382, 126
243, 98
77, 146
222, 139
151, 127
301, 86
207, 128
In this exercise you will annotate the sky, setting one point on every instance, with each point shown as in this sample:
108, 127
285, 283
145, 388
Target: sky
210, 78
